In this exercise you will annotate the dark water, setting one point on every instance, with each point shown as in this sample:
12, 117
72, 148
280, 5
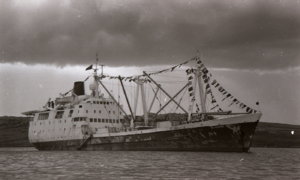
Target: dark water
261, 163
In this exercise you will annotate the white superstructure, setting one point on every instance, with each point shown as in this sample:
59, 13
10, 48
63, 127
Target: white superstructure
98, 114
74, 117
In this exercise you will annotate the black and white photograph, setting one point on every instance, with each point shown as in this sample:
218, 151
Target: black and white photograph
149, 89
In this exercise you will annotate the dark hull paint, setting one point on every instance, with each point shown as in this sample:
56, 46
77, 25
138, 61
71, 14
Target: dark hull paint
222, 138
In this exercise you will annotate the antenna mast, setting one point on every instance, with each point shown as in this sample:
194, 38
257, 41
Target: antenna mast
96, 69
101, 69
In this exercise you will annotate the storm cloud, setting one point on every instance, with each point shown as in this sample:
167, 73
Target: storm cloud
237, 34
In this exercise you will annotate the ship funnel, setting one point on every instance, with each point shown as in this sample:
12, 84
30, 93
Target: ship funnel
78, 88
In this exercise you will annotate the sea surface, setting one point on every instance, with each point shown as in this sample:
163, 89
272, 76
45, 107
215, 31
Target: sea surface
260, 163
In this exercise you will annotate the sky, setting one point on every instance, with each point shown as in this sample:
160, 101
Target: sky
252, 46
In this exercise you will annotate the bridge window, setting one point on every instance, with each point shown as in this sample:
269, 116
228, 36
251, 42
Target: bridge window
70, 113
59, 114
43, 116
79, 119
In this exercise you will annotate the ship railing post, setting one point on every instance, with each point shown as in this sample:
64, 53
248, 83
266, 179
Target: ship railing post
165, 92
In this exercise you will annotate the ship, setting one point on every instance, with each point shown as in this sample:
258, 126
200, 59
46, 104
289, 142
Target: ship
98, 121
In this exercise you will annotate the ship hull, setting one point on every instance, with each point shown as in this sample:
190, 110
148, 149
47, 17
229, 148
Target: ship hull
220, 138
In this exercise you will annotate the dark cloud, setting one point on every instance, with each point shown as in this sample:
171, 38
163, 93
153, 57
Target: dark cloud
238, 34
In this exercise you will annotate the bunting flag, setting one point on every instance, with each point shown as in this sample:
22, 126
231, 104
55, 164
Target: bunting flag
207, 79
89, 67
214, 82
190, 87
226, 95
213, 101
171, 69
197, 108
207, 86
204, 70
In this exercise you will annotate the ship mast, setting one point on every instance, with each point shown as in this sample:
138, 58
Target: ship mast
94, 87
140, 85
202, 94
96, 93
197, 74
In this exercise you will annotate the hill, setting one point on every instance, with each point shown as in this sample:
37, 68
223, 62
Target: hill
276, 135
14, 130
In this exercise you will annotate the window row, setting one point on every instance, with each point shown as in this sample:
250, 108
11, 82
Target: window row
95, 111
49, 130
60, 121
104, 120
58, 115
79, 119
99, 102
43, 116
